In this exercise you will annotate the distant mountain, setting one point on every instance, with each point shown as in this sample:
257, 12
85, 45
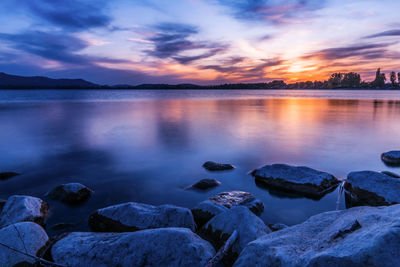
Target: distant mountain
16, 82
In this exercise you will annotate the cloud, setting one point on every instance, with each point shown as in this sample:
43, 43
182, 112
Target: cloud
72, 15
384, 34
255, 71
56, 46
363, 51
171, 40
278, 11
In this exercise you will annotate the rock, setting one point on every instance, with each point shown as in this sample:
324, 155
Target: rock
7, 175
214, 166
296, 179
27, 237
371, 188
277, 226
391, 157
24, 208
155, 247
2, 204
362, 236
205, 210
205, 184
131, 216
241, 219
71, 193
239, 198
394, 175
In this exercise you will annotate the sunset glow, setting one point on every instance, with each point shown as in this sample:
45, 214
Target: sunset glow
198, 41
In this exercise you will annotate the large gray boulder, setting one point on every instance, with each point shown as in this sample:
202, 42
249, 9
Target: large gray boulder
248, 226
391, 157
205, 210
24, 208
361, 236
133, 216
155, 247
71, 193
296, 179
238, 198
371, 188
27, 237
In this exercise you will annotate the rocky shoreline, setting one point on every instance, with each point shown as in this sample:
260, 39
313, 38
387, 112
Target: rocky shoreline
223, 230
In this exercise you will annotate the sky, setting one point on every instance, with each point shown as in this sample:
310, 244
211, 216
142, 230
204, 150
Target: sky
198, 41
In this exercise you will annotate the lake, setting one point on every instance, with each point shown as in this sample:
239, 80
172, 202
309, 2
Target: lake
147, 146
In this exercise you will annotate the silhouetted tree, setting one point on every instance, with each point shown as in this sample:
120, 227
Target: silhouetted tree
335, 80
398, 78
351, 80
393, 78
380, 79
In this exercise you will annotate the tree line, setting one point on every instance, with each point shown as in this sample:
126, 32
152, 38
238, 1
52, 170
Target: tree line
351, 80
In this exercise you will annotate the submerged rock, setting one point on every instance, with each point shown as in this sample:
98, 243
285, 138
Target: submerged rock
239, 198
27, 237
7, 175
155, 247
214, 166
371, 188
296, 179
248, 226
24, 208
394, 175
362, 236
71, 193
391, 157
205, 184
133, 216
205, 210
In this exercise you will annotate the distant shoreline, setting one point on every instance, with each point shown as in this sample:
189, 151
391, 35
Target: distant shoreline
199, 89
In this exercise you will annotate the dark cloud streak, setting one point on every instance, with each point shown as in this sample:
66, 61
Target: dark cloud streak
364, 51
71, 15
56, 46
172, 41
278, 12
384, 34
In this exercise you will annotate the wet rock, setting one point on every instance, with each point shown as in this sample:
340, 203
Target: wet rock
205, 210
133, 216
205, 184
24, 208
241, 219
296, 179
27, 237
214, 166
155, 247
239, 198
7, 175
2, 204
71, 193
391, 157
277, 226
371, 188
394, 175
362, 236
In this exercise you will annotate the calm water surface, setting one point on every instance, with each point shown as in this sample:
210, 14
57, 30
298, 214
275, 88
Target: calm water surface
146, 146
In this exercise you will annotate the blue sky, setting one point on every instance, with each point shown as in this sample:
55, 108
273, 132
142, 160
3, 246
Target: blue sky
205, 42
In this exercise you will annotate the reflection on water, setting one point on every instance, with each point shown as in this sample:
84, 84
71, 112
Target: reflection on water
147, 150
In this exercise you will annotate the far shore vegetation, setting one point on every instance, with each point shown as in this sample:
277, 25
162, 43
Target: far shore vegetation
350, 80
